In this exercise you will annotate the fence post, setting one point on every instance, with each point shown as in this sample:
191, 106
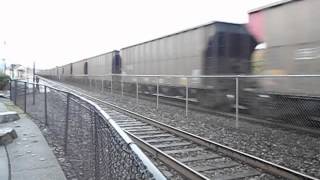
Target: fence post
96, 146
45, 107
111, 85
157, 92
25, 97
237, 102
187, 96
10, 89
33, 93
15, 92
137, 90
66, 124
96, 85
121, 86
102, 85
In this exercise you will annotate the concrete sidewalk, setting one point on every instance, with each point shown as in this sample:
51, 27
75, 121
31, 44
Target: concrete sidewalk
29, 156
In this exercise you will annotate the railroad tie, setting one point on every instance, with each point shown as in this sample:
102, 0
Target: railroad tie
183, 150
199, 158
162, 140
172, 145
216, 166
239, 175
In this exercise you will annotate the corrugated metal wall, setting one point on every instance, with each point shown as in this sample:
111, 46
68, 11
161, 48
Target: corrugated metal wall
100, 65
179, 54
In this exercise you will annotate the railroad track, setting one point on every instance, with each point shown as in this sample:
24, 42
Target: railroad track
193, 157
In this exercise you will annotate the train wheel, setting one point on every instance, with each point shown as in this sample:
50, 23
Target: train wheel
273, 107
214, 99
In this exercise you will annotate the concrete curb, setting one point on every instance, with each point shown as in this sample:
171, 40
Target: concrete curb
9, 116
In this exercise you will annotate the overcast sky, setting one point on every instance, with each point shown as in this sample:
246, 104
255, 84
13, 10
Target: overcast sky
62, 31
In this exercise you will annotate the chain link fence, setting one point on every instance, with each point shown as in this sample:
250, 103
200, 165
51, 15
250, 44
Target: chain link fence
289, 100
293, 101
94, 145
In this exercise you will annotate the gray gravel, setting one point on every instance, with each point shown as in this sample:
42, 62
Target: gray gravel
290, 148
54, 141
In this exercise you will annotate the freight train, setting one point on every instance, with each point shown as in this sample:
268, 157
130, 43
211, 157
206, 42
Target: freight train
216, 48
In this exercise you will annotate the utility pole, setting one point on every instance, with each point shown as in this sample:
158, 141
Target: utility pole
34, 71
3, 69
12, 70
4, 57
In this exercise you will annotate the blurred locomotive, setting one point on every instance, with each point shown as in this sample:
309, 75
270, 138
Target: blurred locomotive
221, 48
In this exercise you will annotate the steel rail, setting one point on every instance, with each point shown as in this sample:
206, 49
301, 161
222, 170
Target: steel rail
251, 160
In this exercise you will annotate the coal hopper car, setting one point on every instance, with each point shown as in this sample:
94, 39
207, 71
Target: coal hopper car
217, 48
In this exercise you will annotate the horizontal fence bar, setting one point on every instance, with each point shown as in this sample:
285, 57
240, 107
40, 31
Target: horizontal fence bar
188, 76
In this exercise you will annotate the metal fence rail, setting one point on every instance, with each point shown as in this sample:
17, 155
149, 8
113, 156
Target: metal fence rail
94, 145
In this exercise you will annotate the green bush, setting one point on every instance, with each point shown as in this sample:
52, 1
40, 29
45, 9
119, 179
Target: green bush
3, 81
